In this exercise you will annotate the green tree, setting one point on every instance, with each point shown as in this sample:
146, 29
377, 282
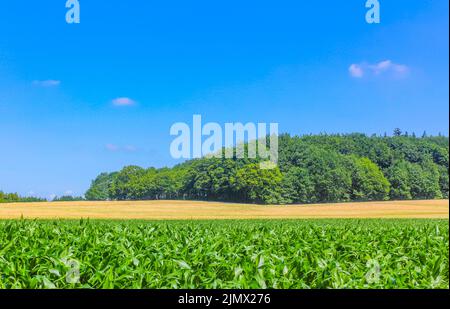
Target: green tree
330, 175
313, 168
397, 132
443, 181
398, 176
368, 182
68, 198
127, 184
258, 185
424, 180
100, 186
297, 186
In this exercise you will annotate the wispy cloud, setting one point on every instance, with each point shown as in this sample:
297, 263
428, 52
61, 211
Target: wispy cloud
356, 71
46, 83
111, 147
123, 101
115, 148
359, 70
388, 65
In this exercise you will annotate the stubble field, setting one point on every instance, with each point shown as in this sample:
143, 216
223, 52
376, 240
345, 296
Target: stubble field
180, 210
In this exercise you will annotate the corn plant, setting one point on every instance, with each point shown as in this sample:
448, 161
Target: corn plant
344, 253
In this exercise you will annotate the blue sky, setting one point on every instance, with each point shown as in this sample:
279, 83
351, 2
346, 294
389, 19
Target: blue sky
311, 66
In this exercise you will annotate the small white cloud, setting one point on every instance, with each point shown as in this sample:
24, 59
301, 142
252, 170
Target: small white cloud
377, 69
52, 196
356, 71
116, 148
112, 147
381, 66
123, 101
68, 192
46, 83
401, 69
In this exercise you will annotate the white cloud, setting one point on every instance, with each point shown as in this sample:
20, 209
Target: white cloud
115, 148
356, 71
377, 69
123, 101
68, 192
112, 147
46, 83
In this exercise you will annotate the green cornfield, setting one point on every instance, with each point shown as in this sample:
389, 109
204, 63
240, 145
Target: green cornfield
343, 253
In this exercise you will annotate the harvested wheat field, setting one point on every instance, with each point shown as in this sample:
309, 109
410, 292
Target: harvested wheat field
213, 210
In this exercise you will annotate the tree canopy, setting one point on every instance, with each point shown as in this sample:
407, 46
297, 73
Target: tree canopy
16, 198
311, 169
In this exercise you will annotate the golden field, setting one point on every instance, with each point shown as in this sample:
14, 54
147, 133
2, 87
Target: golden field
160, 210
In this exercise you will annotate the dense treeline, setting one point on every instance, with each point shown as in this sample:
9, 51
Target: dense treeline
68, 198
15, 198
311, 168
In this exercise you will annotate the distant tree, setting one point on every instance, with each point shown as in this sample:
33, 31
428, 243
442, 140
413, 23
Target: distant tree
99, 189
368, 182
330, 175
443, 181
398, 176
311, 168
211, 179
439, 155
68, 198
379, 153
15, 198
258, 185
127, 184
32, 199
9, 197
397, 132
297, 186
167, 184
424, 181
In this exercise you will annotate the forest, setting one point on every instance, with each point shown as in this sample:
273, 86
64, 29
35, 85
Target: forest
311, 169
16, 198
